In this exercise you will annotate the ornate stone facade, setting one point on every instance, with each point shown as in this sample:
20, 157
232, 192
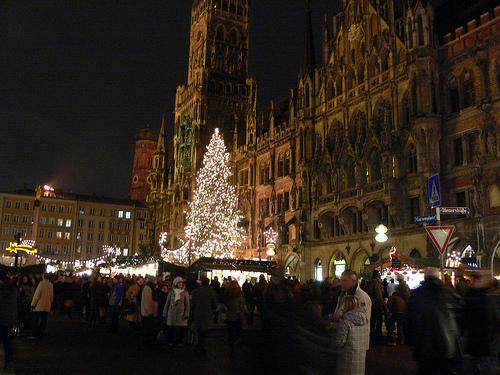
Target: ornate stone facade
395, 99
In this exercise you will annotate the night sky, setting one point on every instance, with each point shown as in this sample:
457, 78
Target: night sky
79, 78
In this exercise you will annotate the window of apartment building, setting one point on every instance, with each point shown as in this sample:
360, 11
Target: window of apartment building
49, 234
100, 236
16, 218
48, 248
61, 209
125, 252
80, 223
58, 235
6, 217
414, 209
89, 249
25, 219
57, 250
67, 235
60, 222
110, 237
5, 229
8, 204
43, 220
141, 237
65, 250
120, 214
52, 221
112, 225
41, 233
92, 211
128, 215
119, 226
113, 212
126, 238
81, 210
142, 225
101, 225
44, 207
69, 209
91, 223
90, 236
26, 205
18, 205
102, 212
52, 208
68, 223
127, 226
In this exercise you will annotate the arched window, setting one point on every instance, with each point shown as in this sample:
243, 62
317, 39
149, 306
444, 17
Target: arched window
232, 7
412, 160
330, 90
318, 270
281, 164
361, 73
468, 94
414, 94
453, 94
410, 33
351, 79
385, 61
307, 93
374, 66
219, 34
338, 265
225, 6
233, 37
338, 86
375, 166
420, 30
349, 178
287, 164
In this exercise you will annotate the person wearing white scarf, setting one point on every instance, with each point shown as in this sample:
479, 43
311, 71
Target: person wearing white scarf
176, 310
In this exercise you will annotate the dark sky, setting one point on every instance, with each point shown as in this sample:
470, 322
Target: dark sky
78, 78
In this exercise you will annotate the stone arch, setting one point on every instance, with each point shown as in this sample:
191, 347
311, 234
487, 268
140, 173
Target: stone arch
337, 264
359, 261
233, 37
318, 270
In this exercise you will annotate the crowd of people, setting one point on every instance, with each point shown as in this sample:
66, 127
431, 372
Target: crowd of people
310, 328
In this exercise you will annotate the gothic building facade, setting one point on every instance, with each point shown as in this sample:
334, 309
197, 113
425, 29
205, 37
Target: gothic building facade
403, 91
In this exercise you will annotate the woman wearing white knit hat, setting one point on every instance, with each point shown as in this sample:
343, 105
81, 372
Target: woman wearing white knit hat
176, 311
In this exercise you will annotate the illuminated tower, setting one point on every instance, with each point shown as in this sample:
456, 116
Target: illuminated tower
145, 147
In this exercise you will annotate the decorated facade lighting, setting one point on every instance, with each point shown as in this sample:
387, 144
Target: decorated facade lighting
271, 238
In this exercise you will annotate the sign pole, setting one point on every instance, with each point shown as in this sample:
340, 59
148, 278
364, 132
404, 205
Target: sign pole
438, 222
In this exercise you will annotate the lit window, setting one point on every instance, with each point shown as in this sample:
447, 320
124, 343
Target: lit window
59, 235
67, 236
120, 214
52, 221
68, 223
125, 252
128, 215
60, 222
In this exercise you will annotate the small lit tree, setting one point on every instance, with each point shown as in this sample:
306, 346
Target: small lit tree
213, 217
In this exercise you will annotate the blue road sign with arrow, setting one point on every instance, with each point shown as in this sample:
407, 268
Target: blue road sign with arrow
434, 190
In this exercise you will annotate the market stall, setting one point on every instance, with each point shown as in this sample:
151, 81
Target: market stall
238, 269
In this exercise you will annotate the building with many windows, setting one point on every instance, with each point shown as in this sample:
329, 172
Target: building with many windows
404, 90
70, 227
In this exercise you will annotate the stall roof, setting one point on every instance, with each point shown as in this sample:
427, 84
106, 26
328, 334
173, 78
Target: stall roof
233, 264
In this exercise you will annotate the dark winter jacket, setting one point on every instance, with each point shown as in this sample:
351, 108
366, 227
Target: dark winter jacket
482, 322
432, 315
8, 304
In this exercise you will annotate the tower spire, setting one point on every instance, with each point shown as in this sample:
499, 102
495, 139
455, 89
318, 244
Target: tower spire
309, 59
160, 146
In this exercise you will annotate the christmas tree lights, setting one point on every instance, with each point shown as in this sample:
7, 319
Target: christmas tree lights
213, 217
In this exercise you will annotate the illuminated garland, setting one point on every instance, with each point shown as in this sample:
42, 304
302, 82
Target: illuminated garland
108, 251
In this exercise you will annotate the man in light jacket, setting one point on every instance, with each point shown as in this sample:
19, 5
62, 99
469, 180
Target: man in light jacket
41, 304
148, 312
349, 286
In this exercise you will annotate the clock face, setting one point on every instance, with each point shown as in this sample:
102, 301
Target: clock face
135, 180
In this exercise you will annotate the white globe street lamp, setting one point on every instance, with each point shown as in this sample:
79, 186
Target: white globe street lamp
381, 231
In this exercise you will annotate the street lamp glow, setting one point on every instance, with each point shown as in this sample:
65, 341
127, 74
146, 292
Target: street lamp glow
381, 229
381, 237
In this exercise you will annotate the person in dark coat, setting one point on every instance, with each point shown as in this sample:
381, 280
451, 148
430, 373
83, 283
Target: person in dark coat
482, 326
433, 315
215, 285
249, 293
203, 305
376, 293
8, 316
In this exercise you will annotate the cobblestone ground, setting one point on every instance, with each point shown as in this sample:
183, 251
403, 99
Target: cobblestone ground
70, 348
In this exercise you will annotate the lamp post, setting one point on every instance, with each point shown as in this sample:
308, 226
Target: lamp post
381, 231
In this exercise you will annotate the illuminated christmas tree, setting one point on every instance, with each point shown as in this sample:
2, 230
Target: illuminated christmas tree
213, 217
